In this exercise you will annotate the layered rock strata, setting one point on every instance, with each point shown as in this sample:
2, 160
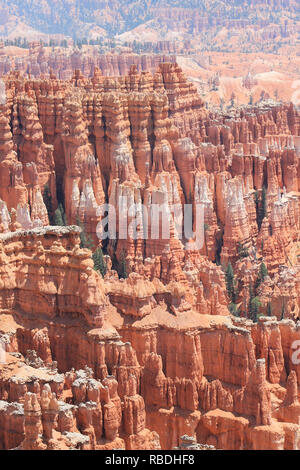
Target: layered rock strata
139, 358
75, 378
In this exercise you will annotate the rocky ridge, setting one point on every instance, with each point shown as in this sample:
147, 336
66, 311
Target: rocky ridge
130, 359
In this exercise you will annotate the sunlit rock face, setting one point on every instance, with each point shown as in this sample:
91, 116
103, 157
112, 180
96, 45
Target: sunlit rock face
165, 343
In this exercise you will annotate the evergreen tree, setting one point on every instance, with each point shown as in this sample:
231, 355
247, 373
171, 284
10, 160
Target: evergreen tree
261, 206
283, 311
254, 305
243, 251
250, 299
263, 272
254, 308
122, 267
219, 245
60, 216
256, 200
99, 263
263, 210
229, 278
48, 202
85, 240
233, 309
64, 215
269, 309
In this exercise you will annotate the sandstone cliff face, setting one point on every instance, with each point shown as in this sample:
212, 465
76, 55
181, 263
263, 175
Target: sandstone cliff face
89, 379
141, 361
231, 383
51, 261
102, 139
62, 63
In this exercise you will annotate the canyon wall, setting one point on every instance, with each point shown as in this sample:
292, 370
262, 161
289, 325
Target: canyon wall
127, 381
186, 338
148, 139
43, 61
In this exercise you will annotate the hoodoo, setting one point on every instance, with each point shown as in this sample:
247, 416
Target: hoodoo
149, 242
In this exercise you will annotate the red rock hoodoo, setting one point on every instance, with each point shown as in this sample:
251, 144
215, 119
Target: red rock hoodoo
176, 344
